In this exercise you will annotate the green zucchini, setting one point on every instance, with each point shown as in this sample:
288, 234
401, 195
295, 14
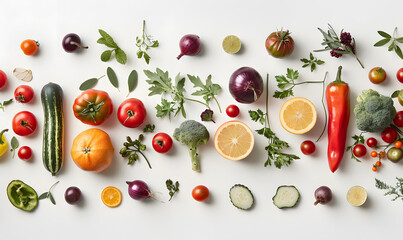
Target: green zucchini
241, 197
286, 197
53, 129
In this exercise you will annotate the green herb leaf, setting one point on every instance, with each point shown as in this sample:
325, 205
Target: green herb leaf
208, 90
166, 108
381, 42
131, 149
108, 39
120, 56
132, 81
43, 196
106, 55
172, 188
313, 62
149, 128
48, 194
112, 77
144, 43
395, 94
52, 200
5, 103
88, 84
396, 191
398, 52
400, 39
384, 34
14, 145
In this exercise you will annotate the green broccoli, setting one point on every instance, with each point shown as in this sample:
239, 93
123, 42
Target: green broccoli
192, 134
373, 112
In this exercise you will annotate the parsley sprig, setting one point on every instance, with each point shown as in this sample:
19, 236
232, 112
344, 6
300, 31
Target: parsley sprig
162, 84
144, 43
172, 188
208, 90
108, 41
396, 191
393, 46
132, 148
275, 147
358, 139
312, 61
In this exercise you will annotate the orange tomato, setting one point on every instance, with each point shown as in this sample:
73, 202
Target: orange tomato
29, 47
92, 150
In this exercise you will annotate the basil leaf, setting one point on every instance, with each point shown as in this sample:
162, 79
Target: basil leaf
132, 81
112, 77
14, 143
106, 55
120, 56
88, 84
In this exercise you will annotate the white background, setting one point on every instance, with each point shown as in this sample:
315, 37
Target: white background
252, 21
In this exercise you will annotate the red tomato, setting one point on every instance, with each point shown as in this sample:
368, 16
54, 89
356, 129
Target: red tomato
359, 150
308, 147
372, 142
389, 135
29, 47
93, 107
162, 142
25, 153
398, 120
3, 79
131, 113
24, 123
377, 75
200, 193
232, 111
279, 44
399, 75
23, 94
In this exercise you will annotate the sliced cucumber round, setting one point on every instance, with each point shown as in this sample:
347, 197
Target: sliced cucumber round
241, 197
286, 197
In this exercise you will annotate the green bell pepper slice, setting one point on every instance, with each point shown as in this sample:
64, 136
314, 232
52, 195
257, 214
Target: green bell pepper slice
22, 196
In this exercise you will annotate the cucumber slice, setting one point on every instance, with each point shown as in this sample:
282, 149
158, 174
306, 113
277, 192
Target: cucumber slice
241, 197
286, 197
357, 196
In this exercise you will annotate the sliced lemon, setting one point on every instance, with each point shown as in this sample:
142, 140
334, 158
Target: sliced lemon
298, 115
111, 196
234, 140
357, 196
231, 44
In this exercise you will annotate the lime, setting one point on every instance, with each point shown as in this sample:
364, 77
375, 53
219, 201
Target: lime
231, 44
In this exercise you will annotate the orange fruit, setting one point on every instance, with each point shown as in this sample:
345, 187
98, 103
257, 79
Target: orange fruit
111, 196
298, 115
92, 150
234, 140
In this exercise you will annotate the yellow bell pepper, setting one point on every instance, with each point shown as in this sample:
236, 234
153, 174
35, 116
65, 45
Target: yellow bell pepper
3, 142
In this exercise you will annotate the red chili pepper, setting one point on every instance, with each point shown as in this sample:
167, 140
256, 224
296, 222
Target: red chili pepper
338, 105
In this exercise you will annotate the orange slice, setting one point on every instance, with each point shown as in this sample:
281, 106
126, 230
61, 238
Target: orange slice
298, 115
111, 196
234, 140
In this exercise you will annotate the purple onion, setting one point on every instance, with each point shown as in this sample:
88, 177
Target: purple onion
190, 45
246, 85
138, 190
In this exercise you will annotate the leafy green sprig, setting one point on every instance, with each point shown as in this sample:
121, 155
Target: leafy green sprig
312, 61
396, 191
149, 128
358, 139
14, 145
393, 46
172, 188
108, 41
144, 43
208, 90
131, 149
275, 146
48, 194
5, 103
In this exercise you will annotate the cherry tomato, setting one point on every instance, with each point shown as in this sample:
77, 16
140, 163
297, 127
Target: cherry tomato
200, 193
389, 135
232, 111
162, 142
279, 44
372, 142
382, 155
374, 168
23, 94
24, 123
398, 120
3, 79
308, 147
131, 113
398, 144
29, 47
399, 75
377, 75
374, 154
25, 153
378, 163
359, 150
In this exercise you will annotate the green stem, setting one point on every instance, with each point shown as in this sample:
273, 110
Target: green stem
338, 77
324, 107
194, 100
359, 61
267, 102
145, 158
195, 160
307, 82
215, 99
397, 129
53, 186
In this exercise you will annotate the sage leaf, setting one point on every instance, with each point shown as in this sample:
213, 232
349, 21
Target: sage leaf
43, 196
398, 52
132, 81
400, 40
88, 84
106, 55
52, 200
120, 56
108, 39
381, 42
14, 143
384, 34
112, 77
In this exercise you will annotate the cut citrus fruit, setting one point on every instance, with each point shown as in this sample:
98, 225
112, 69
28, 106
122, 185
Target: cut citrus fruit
111, 196
298, 115
234, 140
357, 196
231, 44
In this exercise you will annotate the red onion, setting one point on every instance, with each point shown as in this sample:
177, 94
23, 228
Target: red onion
190, 45
138, 190
246, 85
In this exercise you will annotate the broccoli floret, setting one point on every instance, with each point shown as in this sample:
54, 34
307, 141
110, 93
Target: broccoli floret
373, 112
192, 133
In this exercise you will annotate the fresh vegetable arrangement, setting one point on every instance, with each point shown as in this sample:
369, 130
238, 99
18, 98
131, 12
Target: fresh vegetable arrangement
93, 149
